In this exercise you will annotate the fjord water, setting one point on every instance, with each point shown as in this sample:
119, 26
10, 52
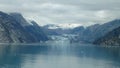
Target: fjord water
59, 55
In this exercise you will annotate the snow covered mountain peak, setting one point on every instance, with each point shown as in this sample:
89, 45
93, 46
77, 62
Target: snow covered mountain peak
62, 26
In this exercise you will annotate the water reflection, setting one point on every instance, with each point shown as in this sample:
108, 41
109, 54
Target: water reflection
53, 56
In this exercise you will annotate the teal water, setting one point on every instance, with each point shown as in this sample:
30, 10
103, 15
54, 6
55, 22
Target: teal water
59, 56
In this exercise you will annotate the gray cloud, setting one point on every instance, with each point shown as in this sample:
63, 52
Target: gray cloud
85, 12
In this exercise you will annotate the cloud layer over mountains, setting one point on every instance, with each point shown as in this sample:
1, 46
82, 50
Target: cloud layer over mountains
85, 12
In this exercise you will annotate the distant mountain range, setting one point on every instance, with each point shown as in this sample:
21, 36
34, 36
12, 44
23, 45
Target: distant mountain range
61, 26
57, 29
15, 29
86, 34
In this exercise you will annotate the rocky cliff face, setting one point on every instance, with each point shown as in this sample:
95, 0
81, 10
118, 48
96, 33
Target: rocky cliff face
13, 31
36, 31
111, 38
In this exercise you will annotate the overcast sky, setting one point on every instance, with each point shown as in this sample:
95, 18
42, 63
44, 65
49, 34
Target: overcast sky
85, 12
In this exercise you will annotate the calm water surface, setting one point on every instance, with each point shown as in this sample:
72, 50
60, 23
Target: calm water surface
59, 56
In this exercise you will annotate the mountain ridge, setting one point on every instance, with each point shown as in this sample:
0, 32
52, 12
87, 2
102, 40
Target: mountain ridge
13, 32
93, 32
111, 38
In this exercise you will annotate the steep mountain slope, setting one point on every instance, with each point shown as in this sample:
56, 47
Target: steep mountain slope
31, 27
111, 38
36, 31
91, 33
20, 19
88, 34
12, 31
107, 27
